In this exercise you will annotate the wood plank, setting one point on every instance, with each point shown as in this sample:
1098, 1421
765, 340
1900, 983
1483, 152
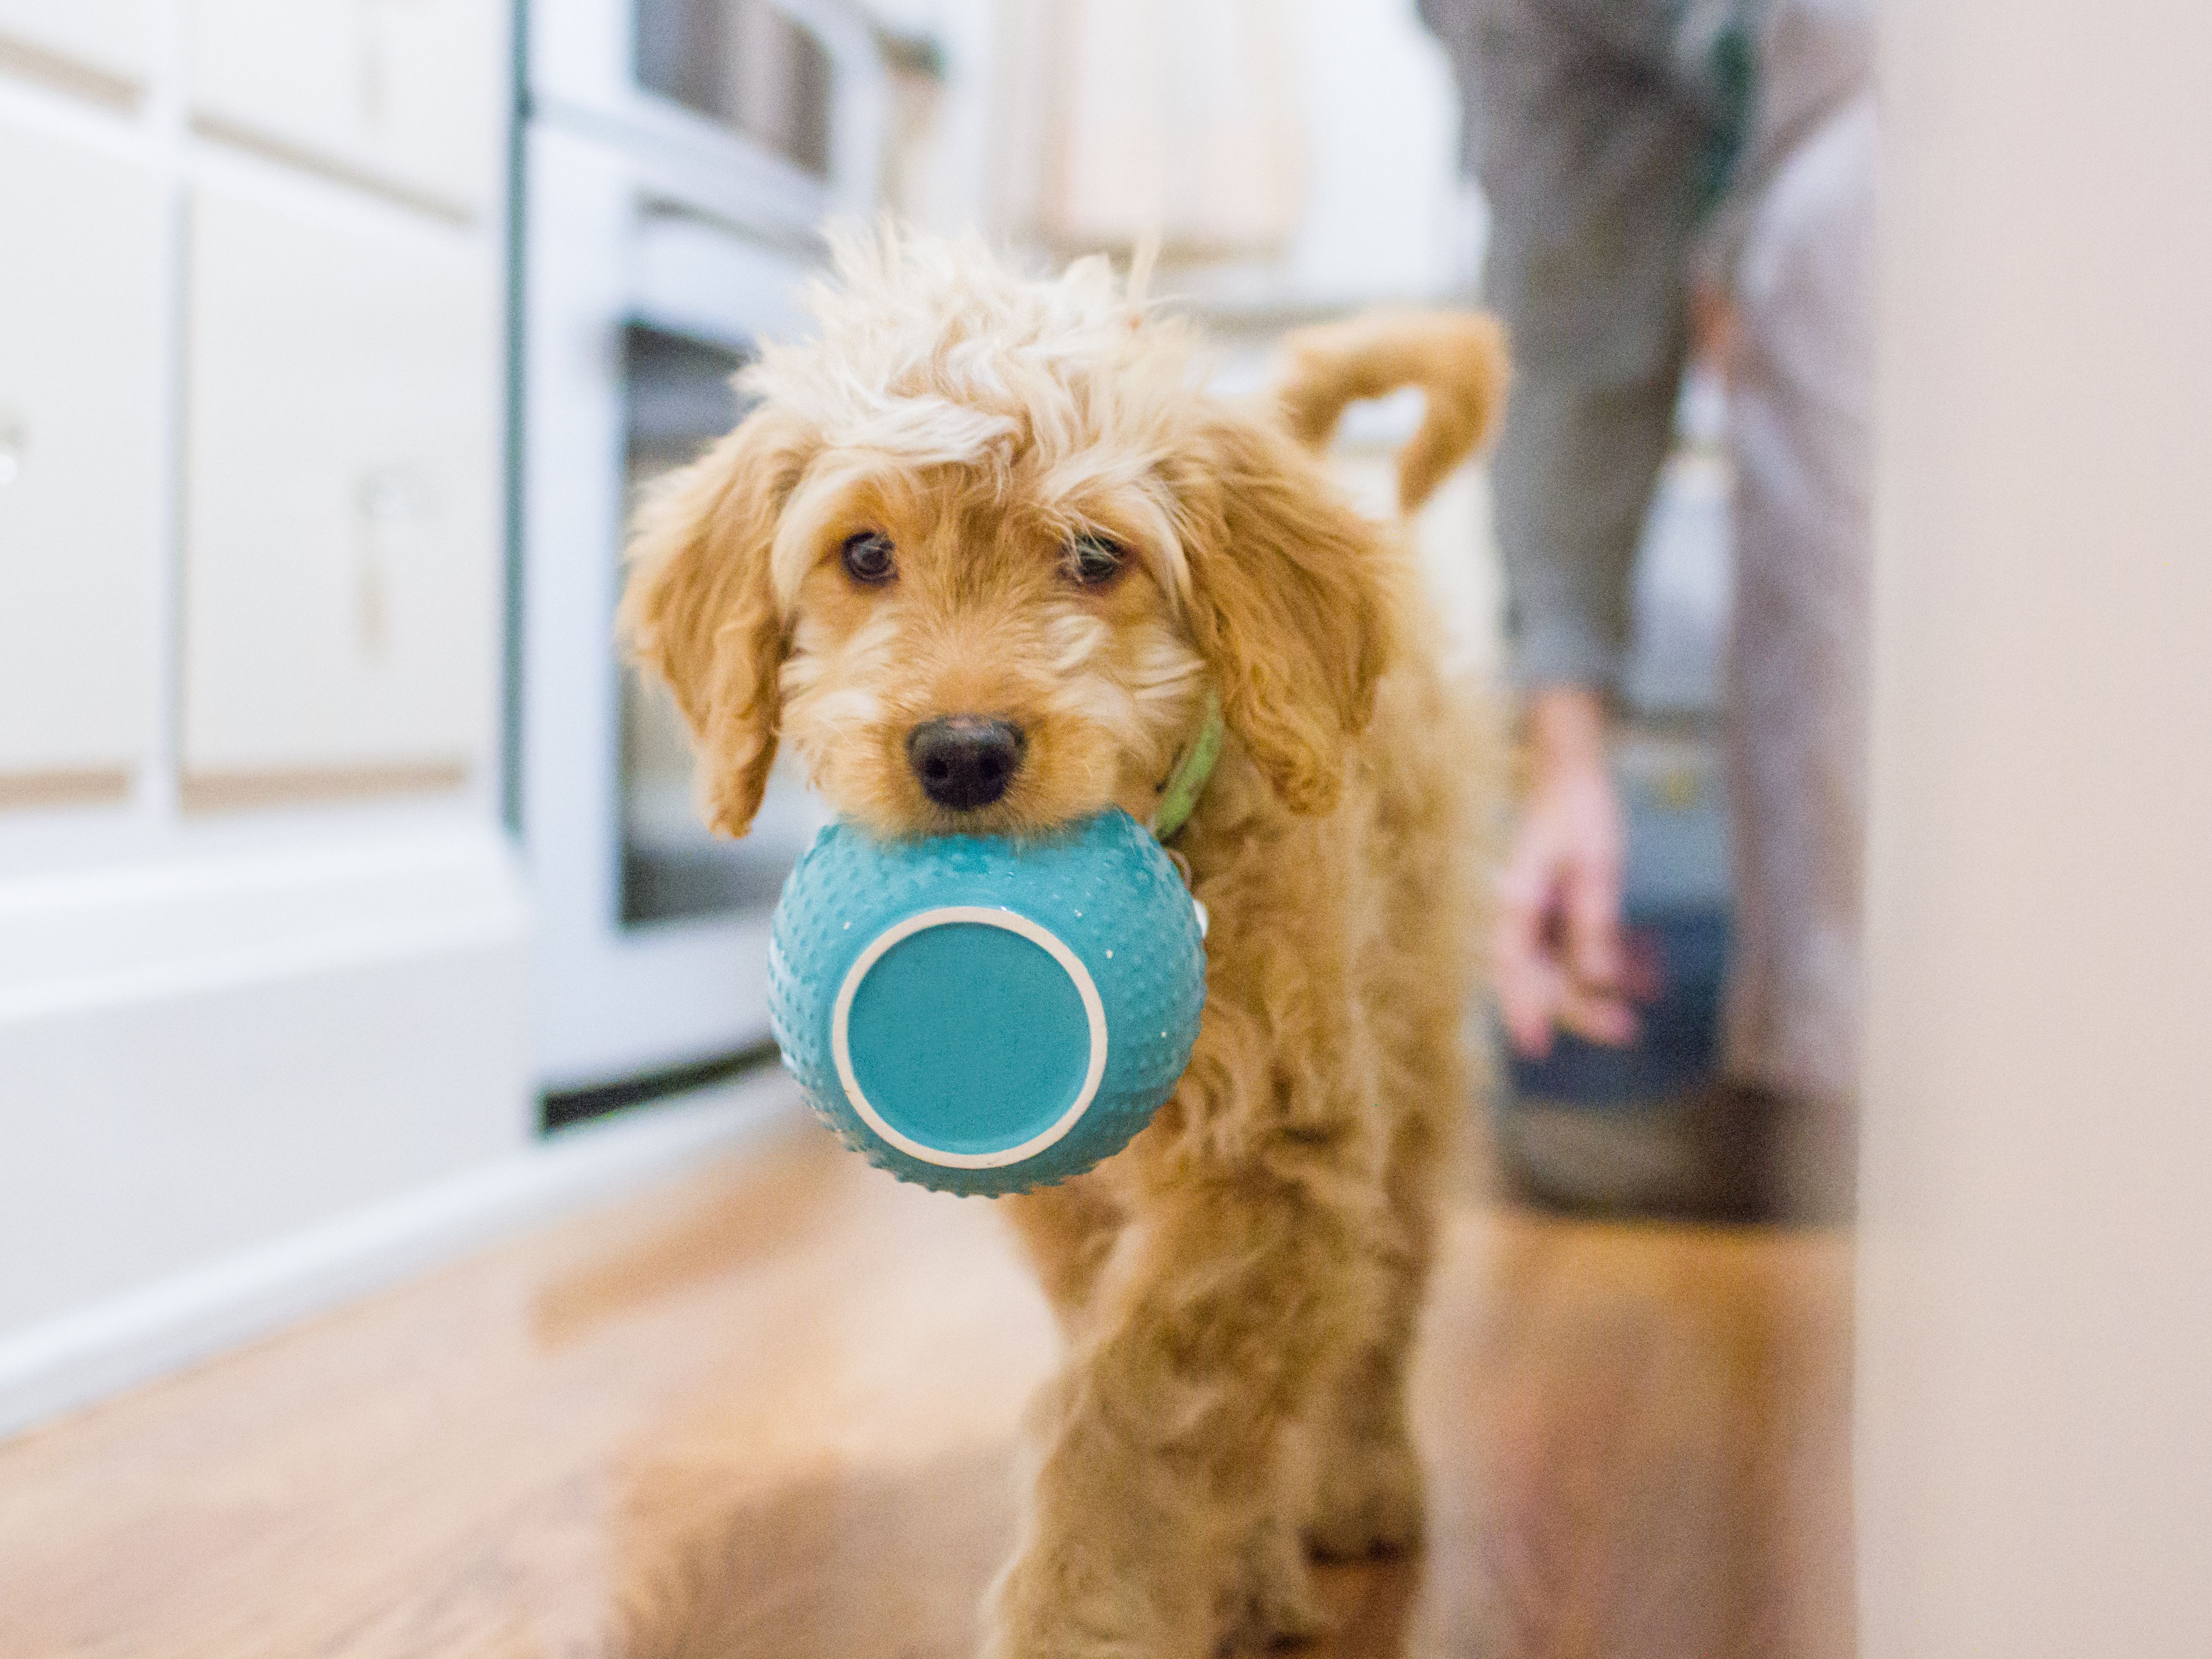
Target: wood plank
771, 1410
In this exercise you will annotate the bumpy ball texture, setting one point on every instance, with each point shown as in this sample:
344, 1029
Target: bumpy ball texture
971, 1005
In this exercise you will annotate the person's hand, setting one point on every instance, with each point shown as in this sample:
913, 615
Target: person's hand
1715, 338
1561, 959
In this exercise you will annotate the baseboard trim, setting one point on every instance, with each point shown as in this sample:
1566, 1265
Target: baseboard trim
561, 1108
65, 1364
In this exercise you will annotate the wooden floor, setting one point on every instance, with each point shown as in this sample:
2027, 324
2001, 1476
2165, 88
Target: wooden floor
770, 1412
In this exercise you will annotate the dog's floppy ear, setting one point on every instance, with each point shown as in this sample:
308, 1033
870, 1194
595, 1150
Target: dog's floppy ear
700, 610
1289, 604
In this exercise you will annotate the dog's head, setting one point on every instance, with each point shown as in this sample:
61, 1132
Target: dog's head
980, 549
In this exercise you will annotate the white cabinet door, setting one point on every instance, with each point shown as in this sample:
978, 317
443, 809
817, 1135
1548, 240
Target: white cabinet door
79, 491
344, 557
111, 36
410, 91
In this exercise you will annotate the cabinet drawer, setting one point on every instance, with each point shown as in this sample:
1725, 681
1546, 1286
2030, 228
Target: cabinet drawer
80, 488
343, 557
113, 37
412, 92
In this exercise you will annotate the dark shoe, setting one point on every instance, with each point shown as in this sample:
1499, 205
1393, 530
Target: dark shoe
1650, 1128
1707, 1155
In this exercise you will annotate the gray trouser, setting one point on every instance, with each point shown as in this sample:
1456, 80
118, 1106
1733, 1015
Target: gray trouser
1800, 410
1602, 131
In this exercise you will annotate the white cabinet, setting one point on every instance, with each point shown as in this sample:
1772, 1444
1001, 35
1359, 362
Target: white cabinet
80, 489
112, 37
343, 553
409, 92
252, 553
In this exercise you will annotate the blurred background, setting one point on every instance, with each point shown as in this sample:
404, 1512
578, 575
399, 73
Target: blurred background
342, 854
354, 910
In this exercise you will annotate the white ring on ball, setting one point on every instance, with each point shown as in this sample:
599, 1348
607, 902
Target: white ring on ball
1094, 1010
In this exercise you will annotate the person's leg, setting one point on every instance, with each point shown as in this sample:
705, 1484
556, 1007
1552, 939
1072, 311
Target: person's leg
1602, 134
1801, 414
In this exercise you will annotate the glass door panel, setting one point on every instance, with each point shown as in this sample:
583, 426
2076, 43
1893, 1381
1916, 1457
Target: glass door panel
745, 63
679, 399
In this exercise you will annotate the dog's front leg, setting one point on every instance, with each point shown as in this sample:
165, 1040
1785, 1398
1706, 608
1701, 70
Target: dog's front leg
1158, 1450
1067, 1232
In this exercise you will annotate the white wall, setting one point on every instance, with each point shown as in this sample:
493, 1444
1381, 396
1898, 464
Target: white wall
1384, 214
2035, 1376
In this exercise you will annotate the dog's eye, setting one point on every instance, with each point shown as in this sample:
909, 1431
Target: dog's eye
1094, 561
867, 558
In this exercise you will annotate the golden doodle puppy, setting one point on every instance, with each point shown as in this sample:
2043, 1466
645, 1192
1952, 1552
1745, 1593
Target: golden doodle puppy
979, 555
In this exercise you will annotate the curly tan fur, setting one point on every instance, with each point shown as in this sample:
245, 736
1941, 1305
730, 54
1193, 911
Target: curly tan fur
1239, 1288
1458, 358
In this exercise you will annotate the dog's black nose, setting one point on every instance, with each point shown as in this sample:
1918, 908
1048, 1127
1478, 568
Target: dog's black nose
965, 761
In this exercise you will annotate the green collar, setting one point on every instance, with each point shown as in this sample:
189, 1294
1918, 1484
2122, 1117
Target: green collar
1179, 795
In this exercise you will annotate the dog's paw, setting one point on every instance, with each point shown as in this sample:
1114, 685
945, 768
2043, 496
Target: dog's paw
1061, 1599
1072, 1641
1271, 1599
1367, 1499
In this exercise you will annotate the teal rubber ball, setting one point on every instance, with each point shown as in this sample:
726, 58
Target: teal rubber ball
981, 1014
